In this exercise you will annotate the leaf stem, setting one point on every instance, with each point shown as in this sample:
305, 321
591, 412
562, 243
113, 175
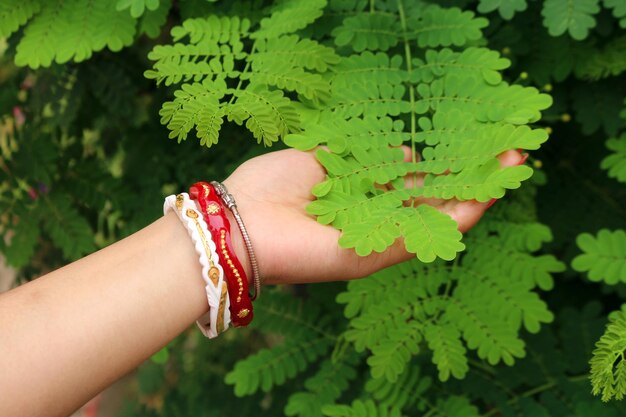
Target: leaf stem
409, 69
245, 69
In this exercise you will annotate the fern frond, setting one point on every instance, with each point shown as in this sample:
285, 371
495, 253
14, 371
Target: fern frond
608, 366
196, 105
14, 13
377, 166
449, 354
73, 30
482, 62
153, 20
341, 136
615, 163
367, 67
323, 388
435, 26
358, 408
429, 233
574, 16
137, 7
503, 103
374, 32
407, 391
292, 52
604, 256
480, 183
506, 8
494, 339
269, 367
390, 357
289, 16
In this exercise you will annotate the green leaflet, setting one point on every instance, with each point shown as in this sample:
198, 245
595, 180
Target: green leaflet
615, 163
137, 7
608, 368
506, 8
63, 31
573, 16
14, 13
604, 256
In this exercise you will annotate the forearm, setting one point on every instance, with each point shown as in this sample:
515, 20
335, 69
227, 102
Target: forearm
66, 336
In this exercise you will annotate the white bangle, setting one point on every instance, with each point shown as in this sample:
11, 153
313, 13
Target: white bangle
217, 319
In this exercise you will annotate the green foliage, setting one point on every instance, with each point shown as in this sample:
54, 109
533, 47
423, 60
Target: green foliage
604, 256
79, 131
608, 369
575, 17
72, 30
615, 163
506, 8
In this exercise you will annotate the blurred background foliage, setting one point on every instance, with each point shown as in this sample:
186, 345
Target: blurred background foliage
85, 161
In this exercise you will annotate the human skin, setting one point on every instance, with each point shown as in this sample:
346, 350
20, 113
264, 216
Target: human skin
65, 336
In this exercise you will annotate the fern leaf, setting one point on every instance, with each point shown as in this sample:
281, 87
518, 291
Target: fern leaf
437, 26
196, 105
448, 351
14, 13
267, 368
506, 8
573, 16
323, 388
367, 66
73, 30
482, 62
137, 7
361, 409
608, 373
615, 163
430, 234
311, 86
480, 183
604, 256
341, 136
378, 166
375, 234
68, 230
390, 357
456, 407
153, 20
619, 10
367, 32
512, 104
289, 16
493, 338
407, 392
295, 52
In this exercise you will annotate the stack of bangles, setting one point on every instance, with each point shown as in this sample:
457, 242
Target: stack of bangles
203, 213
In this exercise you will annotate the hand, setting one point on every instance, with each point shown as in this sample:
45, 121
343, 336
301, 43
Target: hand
272, 192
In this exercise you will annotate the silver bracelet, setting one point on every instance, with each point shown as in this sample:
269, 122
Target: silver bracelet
229, 201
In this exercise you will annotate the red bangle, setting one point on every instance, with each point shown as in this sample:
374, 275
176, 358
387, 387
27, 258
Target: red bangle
213, 212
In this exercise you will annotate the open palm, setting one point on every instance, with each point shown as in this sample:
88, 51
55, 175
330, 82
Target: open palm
272, 192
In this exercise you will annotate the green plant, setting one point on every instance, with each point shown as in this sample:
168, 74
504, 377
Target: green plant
459, 331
